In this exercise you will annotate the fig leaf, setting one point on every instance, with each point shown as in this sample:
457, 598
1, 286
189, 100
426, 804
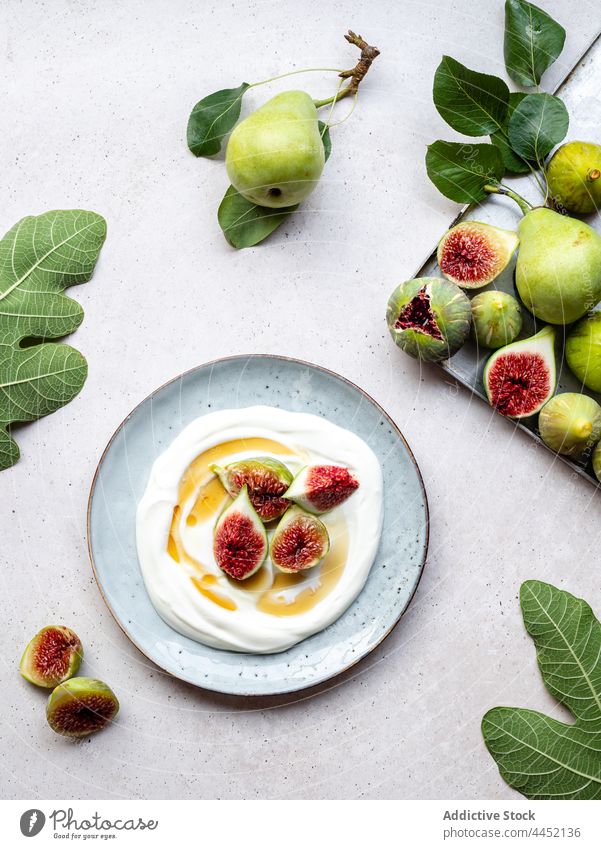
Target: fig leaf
533, 41
39, 257
212, 118
538, 123
542, 757
500, 139
471, 103
460, 171
245, 224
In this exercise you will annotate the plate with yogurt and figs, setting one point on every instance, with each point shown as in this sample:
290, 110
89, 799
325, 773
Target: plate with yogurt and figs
257, 525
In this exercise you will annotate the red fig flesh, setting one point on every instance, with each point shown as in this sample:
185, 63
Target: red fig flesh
52, 656
80, 707
318, 489
520, 378
240, 540
300, 541
473, 254
266, 479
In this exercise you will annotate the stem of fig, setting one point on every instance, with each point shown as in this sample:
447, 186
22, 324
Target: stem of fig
354, 75
593, 175
500, 189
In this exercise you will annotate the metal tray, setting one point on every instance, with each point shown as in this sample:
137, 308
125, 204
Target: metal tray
580, 92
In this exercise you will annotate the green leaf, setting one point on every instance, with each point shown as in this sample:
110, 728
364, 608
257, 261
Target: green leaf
537, 124
324, 132
245, 224
539, 756
471, 103
39, 258
212, 118
460, 171
500, 139
533, 41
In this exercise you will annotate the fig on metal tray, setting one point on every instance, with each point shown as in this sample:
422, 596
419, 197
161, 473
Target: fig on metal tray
429, 318
574, 177
520, 378
570, 423
497, 318
473, 254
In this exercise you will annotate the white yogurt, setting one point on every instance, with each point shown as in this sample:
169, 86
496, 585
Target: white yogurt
247, 628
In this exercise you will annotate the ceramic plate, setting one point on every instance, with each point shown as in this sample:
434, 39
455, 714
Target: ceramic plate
120, 482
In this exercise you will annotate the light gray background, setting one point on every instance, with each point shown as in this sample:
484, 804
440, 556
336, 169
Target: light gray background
95, 98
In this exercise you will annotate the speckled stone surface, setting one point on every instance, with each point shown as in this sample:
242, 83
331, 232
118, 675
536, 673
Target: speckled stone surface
95, 102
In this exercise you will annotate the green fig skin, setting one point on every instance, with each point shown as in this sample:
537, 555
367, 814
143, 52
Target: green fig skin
574, 177
275, 157
447, 305
597, 462
558, 271
497, 319
583, 351
570, 423
80, 707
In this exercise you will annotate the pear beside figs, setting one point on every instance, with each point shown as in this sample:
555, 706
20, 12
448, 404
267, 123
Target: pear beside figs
275, 157
558, 271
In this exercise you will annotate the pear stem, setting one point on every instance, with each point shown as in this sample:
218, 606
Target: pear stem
500, 189
354, 75
293, 73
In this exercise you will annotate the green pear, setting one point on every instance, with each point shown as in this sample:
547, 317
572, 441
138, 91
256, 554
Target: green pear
558, 272
275, 156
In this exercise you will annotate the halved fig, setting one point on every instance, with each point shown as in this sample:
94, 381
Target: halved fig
318, 489
520, 378
240, 540
266, 479
52, 656
429, 318
81, 706
473, 254
300, 541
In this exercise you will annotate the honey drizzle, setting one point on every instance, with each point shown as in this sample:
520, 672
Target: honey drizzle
209, 502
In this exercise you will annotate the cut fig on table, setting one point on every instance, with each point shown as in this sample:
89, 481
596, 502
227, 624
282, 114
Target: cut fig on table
240, 540
80, 707
300, 541
520, 378
52, 656
266, 479
318, 489
473, 254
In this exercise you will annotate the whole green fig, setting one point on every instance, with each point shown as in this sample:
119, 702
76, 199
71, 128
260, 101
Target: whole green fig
275, 157
570, 423
574, 177
583, 351
497, 318
558, 271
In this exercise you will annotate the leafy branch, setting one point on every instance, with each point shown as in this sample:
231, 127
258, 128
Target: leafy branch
522, 127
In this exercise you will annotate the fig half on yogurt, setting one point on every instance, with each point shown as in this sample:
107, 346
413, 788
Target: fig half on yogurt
240, 540
300, 541
52, 656
266, 479
320, 488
